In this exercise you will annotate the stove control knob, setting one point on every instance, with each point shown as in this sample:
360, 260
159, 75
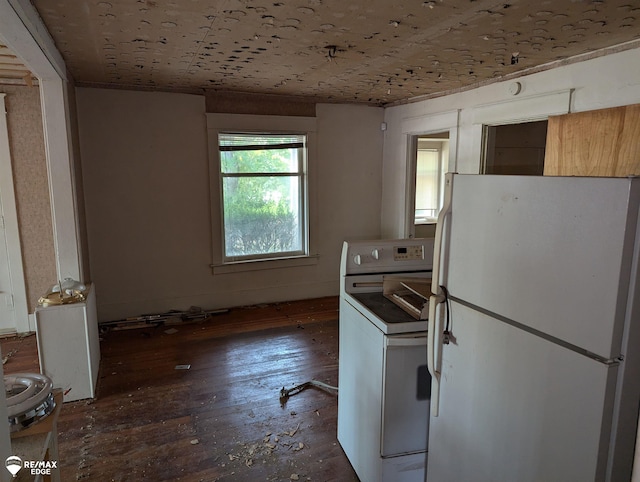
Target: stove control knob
357, 259
375, 254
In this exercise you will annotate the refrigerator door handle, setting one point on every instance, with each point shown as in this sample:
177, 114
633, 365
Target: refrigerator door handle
437, 242
431, 366
433, 335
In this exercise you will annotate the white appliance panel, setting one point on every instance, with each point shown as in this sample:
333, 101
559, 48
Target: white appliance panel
359, 396
545, 252
516, 407
366, 408
69, 346
387, 255
405, 403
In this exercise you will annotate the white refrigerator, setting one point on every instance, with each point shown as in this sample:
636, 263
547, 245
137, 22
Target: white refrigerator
534, 334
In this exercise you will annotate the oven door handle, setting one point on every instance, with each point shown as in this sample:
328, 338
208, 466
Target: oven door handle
406, 340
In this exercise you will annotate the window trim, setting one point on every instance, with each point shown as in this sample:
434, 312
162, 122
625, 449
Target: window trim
303, 204
245, 123
439, 181
412, 128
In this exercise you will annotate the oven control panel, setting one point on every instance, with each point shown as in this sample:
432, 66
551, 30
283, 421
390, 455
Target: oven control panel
387, 256
405, 253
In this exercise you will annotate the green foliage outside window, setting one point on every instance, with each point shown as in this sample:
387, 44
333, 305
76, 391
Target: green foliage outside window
260, 209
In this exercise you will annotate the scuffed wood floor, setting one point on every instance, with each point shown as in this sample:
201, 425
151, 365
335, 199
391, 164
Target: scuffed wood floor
220, 420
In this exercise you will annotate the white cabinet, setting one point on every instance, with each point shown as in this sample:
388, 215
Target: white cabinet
69, 346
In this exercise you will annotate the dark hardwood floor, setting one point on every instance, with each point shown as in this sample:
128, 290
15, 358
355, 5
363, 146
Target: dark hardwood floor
219, 420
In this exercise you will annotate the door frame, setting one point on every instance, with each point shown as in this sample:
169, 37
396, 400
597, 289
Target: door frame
412, 128
12, 233
513, 111
22, 30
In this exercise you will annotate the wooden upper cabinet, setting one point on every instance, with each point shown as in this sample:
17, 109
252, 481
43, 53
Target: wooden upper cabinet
594, 143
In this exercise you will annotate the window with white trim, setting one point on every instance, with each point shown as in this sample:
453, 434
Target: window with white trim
432, 153
263, 185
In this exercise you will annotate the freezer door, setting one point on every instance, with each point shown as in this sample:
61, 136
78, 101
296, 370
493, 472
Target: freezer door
552, 253
516, 407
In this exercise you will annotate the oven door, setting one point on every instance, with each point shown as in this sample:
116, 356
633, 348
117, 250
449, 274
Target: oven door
406, 395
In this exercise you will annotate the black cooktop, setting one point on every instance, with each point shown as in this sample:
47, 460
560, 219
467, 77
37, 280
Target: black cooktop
383, 308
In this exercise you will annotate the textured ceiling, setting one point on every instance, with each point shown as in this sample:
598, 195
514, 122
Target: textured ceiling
363, 51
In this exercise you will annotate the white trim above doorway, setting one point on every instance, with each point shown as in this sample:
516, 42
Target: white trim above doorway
515, 111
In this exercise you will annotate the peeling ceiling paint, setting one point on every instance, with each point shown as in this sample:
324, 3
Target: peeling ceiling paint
373, 52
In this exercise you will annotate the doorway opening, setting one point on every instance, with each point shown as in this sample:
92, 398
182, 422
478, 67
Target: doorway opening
429, 161
515, 148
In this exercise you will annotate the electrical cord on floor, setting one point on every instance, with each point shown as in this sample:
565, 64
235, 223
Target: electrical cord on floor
285, 393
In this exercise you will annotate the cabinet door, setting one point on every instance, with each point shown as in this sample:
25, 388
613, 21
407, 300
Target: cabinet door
602, 142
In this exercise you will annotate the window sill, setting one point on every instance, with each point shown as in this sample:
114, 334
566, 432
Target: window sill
256, 265
422, 223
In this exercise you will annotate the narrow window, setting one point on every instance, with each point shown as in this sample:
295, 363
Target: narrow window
264, 206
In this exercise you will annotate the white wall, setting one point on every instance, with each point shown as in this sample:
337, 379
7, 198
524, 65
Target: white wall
146, 172
607, 81
145, 167
350, 174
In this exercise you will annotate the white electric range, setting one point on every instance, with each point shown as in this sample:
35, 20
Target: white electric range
384, 385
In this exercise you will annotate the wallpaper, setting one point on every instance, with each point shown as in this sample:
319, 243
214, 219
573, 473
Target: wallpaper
26, 141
